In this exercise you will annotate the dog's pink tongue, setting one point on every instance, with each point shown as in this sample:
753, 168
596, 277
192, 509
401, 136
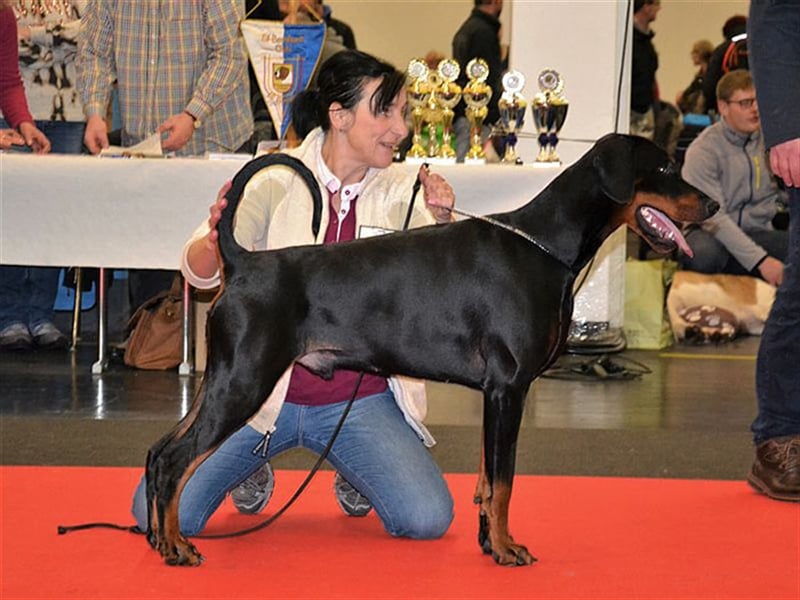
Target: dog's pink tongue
664, 225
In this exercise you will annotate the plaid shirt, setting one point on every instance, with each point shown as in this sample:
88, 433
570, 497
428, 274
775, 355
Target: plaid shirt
168, 56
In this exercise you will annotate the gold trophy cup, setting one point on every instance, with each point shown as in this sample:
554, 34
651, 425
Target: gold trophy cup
417, 92
477, 94
512, 113
549, 108
449, 95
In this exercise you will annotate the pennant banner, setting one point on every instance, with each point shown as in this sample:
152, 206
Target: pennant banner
284, 58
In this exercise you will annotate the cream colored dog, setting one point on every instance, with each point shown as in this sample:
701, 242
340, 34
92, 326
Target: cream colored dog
716, 308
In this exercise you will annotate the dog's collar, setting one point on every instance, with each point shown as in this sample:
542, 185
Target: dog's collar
512, 229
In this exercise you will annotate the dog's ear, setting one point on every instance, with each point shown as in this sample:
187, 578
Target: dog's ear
613, 164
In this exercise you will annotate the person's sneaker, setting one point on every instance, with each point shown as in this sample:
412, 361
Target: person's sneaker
47, 337
252, 495
349, 498
776, 469
16, 337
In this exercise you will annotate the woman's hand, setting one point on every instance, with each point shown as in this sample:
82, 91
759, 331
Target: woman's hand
215, 214
439, 195
10, 137
202, 254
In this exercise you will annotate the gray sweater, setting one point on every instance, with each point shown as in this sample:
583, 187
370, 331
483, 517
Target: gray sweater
733, 169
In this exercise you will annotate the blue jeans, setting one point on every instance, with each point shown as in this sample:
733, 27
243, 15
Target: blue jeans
710, 256
27, 295
778, 363
66, 137
376, 451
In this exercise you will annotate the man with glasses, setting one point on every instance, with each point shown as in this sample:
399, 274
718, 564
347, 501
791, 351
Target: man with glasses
728, 162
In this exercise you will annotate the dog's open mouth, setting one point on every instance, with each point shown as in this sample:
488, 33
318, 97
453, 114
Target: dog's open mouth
661, 232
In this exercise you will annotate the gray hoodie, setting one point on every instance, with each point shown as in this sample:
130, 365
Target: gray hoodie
732, 168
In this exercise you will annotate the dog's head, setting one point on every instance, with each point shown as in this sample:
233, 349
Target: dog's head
649, 194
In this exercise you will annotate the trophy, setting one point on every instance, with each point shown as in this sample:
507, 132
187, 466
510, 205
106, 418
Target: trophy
549, 108
512, 113
417, 92
448, 95
477, 94
433, 113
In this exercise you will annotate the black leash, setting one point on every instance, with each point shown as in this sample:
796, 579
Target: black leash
261, 447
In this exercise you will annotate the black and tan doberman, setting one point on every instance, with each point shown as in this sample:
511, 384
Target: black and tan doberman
469, 302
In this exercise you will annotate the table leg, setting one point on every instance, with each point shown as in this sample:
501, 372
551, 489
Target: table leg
102, 359
76, 310
187, 364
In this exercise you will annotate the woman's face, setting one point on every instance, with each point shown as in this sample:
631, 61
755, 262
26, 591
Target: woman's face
372, 138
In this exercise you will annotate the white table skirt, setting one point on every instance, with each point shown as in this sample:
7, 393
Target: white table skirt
138, 213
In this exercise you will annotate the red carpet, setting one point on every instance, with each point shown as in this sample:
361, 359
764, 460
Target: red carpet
594, 537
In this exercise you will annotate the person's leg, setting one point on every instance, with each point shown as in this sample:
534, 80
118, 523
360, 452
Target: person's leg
147, 283
233, 462
777, 372
14, 333
775, 242
42, 287
710, 256
776, 428
382, 457
13, 307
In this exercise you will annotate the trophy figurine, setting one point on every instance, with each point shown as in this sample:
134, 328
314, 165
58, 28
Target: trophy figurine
449, 94
549, 108
477, 94
512, 113
433, 113
417, 92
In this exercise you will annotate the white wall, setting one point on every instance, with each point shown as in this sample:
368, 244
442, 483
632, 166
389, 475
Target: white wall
398, 30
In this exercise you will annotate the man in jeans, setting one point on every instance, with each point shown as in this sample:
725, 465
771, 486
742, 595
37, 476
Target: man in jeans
774, 29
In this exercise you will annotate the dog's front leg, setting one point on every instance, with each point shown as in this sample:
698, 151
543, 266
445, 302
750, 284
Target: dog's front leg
502, 415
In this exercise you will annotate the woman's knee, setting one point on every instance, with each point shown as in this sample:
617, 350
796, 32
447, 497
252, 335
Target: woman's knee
427, 517
191, 521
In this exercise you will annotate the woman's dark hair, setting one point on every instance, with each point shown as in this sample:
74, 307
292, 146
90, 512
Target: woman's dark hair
341, 79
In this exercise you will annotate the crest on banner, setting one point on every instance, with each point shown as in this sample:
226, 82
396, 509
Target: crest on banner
284, 57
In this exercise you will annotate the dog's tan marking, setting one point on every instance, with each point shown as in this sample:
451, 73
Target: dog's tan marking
175, 548
504, 550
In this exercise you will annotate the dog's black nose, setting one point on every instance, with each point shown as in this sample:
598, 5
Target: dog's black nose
712, 206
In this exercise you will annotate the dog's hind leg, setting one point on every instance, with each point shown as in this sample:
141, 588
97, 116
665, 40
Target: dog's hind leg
233, 391
502, 416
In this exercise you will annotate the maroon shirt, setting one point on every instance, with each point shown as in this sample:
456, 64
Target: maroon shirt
13, 106
307, 388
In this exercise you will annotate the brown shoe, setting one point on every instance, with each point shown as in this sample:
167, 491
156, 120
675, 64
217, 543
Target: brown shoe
776, 469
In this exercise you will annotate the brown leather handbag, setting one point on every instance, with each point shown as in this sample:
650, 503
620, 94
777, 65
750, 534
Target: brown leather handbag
155, 330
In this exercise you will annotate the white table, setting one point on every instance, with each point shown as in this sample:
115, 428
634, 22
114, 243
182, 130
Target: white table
119, 213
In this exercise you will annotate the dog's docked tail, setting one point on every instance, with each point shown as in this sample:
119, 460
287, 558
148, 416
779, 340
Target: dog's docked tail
228, 247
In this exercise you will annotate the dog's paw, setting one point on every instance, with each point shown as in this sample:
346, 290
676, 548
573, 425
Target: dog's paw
181, 554
709, 324
513, 555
